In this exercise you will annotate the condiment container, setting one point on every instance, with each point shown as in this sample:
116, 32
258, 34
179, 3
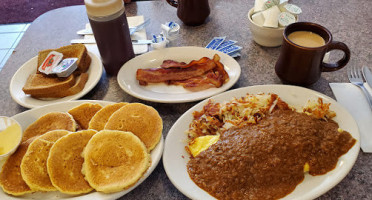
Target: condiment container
111, 32
10, 136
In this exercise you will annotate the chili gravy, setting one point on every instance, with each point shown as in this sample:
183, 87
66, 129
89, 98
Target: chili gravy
266, 160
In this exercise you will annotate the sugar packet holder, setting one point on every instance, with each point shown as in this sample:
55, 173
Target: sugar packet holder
53, 64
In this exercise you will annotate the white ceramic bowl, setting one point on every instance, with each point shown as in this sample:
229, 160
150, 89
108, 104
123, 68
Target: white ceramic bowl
5, 122
268, 37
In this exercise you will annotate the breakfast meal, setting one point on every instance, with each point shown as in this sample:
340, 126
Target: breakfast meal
197, 75
59, 153
259, 147
57, 78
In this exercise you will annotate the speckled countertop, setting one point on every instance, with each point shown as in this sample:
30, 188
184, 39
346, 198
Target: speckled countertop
350, 21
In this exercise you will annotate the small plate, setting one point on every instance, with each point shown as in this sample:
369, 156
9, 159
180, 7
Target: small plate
19, 79
175, 157
164, 93
29, 116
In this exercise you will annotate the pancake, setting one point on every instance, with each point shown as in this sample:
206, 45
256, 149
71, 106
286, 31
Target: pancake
33, 165
65, 162
49, 122
100, 119
10, 177
114, 160
143, 121
84, 113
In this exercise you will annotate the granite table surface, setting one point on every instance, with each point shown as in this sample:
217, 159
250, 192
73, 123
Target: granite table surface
350, 21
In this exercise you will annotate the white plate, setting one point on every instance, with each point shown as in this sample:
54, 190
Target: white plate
175, 157
170, 93
28, 117
21, 75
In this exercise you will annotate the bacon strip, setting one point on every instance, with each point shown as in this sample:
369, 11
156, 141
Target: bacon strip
175, 64
158, 75
172, 63
197, 75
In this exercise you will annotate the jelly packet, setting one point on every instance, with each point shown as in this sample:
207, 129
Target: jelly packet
51, 61
66, 67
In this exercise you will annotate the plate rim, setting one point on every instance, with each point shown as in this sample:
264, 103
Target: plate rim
315, 93
87, 88
229, 84
103, 196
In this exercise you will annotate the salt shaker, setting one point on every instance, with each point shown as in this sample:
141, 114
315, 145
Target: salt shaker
111, 32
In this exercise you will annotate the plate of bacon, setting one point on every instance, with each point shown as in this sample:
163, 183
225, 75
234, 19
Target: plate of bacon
178, 74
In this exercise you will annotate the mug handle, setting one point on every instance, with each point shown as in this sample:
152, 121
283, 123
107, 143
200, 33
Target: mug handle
173, 3
330, 67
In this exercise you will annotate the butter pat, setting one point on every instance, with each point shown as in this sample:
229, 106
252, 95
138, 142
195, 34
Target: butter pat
258, 18
202, 143
271, 17
9, 138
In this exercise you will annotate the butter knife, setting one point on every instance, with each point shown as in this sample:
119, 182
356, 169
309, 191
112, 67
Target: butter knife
93, 41
367, 75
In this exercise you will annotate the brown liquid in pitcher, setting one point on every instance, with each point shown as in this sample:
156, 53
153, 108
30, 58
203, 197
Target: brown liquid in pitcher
114, 43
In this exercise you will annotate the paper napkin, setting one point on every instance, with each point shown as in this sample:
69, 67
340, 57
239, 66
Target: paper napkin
139, 35
353, 99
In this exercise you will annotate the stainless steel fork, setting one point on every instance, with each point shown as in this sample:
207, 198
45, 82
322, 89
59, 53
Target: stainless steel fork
356, 78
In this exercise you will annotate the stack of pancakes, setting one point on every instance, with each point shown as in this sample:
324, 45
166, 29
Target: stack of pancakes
90, 147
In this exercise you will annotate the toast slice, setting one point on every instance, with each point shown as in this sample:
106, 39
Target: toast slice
70, 51
42, 84
78, 87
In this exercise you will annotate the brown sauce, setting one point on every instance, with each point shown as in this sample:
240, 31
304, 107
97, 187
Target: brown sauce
113, 41
266, 160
